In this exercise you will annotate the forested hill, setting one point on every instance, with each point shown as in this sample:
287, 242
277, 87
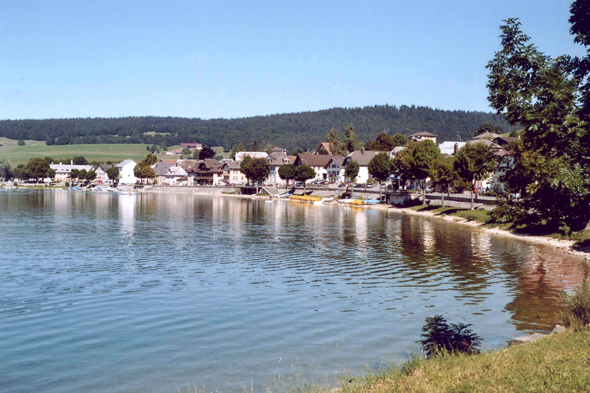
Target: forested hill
290, 130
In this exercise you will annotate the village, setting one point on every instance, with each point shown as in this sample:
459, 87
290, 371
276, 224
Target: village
329, 168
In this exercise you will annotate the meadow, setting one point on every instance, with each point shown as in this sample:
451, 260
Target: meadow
15, 155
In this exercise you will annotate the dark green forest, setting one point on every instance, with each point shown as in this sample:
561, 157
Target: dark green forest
291, 130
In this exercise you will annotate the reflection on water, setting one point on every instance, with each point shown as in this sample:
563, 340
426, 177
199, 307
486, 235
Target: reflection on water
150, 292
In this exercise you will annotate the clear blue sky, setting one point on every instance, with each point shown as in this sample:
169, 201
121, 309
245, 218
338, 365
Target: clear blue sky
210, 59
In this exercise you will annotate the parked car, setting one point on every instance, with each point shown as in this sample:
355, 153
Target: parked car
298, 184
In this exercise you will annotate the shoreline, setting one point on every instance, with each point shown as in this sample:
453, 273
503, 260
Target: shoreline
566, 246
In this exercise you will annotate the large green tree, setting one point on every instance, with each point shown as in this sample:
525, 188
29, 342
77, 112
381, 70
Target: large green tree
351, 170
256, 169
549, 179
399, 140
80, 160
113, 174
287, 172
337, 147
5, 170
474, 162
303, 173
442, 172
423, 155
351, 141
383, 143
206, 153
37, 168
380, 168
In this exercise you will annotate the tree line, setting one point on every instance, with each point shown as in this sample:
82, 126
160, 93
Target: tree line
304, 130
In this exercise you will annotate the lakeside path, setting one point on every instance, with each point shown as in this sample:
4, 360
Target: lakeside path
567, 246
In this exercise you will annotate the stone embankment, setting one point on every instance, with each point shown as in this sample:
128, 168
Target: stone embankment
535, 336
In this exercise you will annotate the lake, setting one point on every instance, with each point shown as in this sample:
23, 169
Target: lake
154, 292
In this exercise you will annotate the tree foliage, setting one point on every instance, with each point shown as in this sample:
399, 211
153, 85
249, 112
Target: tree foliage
287, 172
549, 180
305, 129
351, 170
37, 168
303, 173
255, 169
383, 143
79, 160
336, 145
423, 155
351, 141
474, 162
5, 170
380, 168
113, 173
442, 172
206, 153
399, 140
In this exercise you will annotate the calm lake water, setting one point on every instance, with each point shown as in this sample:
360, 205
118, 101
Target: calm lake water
150, 293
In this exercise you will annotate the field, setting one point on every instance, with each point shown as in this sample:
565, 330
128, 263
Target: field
15, 154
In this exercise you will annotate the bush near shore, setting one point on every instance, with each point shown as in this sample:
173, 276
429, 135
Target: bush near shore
556, 363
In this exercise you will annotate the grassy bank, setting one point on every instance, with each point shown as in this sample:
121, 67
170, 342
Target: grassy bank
558, 363
582, 238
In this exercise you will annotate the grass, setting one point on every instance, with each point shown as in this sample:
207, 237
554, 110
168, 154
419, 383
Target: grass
15, 154
482, 216
555, 364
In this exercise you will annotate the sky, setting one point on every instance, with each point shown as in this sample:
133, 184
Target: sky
228, 59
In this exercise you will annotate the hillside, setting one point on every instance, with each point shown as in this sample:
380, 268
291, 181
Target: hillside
289, 130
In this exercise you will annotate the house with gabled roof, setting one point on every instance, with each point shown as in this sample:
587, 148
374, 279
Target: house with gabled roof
232, 173
62, 171
325, 146
317, 161
253, 154
275, 161
422, 136
363, 157
335, 169
207, 172
101, 172
126, 174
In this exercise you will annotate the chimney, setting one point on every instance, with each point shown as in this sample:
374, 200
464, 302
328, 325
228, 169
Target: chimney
362, 150
455, 149
71, 162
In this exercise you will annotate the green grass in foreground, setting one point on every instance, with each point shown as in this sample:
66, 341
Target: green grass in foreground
555, 364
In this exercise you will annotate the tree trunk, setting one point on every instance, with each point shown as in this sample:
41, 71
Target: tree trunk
379, 192
423, 191
472, 197
442, 198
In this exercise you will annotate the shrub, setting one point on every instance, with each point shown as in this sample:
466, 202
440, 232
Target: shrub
440, 338
67, 183
575, 313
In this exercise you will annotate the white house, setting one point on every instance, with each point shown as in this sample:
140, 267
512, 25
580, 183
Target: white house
254, 154
422, 136
450, 148
126, 175
232, 173
363, 157
318, 162
335, 169
62, 171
